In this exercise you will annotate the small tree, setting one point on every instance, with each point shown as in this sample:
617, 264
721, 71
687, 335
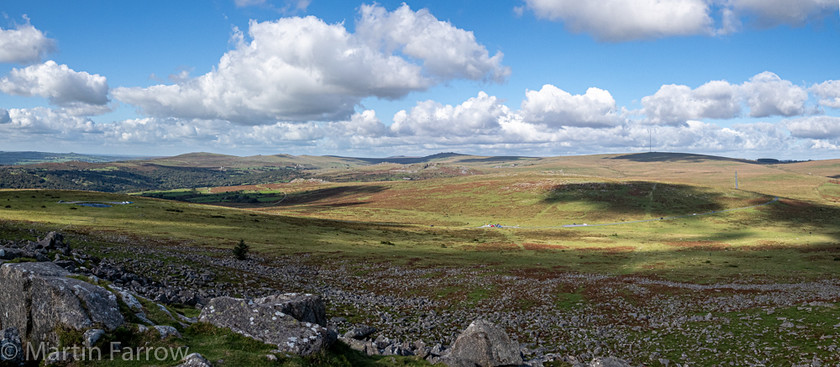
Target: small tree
241, 250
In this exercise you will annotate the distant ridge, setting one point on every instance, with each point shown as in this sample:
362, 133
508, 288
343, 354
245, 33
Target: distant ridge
19, 158
404, 160
216, 160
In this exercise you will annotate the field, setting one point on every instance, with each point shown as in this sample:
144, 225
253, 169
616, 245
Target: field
666, 236
534, 203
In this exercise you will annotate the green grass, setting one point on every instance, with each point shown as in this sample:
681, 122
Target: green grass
830, 191
479, 294
568, 301
778, 241
221, 347
811, 335
434, 222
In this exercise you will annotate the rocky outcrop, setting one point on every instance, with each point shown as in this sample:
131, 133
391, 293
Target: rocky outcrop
483, 344
274, 320
38, 298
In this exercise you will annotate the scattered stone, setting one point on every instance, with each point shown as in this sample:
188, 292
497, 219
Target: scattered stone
483, 344
585, 328
360, 332
52, 241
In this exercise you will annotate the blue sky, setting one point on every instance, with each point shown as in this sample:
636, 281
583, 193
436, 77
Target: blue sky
742, 78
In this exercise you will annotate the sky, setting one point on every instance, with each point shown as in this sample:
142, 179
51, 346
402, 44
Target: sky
738, 78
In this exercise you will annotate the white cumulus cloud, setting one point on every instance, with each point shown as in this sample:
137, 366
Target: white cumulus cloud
47, 122
364, 124
303, 69
828, 92
477, 115
555, 107
446, 51
815, 127
767, 95
623, 20
62, 85
675, 104
24, 44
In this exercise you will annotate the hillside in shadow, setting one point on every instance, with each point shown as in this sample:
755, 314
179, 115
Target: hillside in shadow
497, 159
677, 157
331, 194
637, 197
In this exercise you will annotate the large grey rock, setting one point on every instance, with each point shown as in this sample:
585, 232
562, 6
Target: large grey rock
266, 319
11, 348
483, 344
37, 298
303, 307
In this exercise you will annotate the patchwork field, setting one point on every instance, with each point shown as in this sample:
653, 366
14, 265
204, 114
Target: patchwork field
671, 253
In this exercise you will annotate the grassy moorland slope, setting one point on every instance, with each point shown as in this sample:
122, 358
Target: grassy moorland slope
435, 221
756, 283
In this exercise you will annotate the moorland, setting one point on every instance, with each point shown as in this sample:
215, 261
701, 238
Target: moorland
656, 258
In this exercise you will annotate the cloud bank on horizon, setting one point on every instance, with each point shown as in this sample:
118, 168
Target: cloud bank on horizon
300, 84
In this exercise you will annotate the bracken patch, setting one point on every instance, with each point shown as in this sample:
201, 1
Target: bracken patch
494, 246
609, 250
543, 247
